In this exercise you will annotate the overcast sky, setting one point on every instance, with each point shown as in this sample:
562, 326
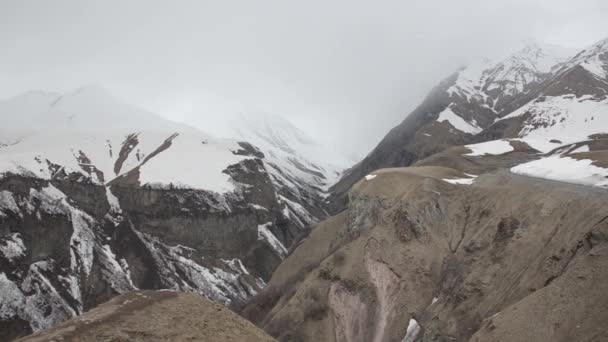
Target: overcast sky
344, 71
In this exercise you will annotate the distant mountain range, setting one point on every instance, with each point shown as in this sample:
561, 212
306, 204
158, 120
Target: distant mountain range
467, 222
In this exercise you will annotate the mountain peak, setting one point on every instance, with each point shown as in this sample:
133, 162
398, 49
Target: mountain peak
594, 59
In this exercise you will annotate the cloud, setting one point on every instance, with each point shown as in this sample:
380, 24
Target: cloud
345, 71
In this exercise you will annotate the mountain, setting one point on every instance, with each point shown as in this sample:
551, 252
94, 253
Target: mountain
571, 106
300, 167
99, 197
432, 253
467, 107
482, 217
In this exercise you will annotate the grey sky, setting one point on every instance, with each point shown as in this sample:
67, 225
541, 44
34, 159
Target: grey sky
344, 71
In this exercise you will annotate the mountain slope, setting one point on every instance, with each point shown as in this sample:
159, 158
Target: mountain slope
143, 315
98, 198
301, 169
486, 241
463, 109
571, 107
437, 254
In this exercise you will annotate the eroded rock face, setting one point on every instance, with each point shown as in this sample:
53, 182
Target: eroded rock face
507, 258
68, 244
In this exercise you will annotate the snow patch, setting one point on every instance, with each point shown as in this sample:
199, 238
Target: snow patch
566, 118
462, 181
266, 235
12, 247
370, 177
458, 122
495, 147
7, 203
413, 329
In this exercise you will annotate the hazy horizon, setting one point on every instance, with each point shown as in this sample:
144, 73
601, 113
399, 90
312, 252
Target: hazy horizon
345, 72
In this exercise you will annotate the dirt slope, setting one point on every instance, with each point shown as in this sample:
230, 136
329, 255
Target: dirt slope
507, 258
155, 316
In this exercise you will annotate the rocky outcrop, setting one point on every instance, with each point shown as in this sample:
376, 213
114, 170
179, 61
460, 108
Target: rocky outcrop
69, 243
506, 258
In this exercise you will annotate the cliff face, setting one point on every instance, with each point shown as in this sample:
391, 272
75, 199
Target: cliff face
69, 244
432, 254
100, 198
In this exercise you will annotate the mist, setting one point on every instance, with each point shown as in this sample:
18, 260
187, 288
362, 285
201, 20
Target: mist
343, 71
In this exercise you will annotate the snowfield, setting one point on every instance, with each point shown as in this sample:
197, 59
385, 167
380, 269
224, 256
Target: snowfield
565, 118
89, 130
565, 169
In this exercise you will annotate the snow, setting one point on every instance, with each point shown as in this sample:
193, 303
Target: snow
435, 299
462, 181
580, 149
508, 75
89, 121
413, 329
565, 169
82, 241
591, 60
370, 177
595, 67
257, 207
495, 147
113, 202
458, 122
115, 272
7, 203
266, 235
565, 118
12, 247
188, 163
179, 272
293, 151
303, 217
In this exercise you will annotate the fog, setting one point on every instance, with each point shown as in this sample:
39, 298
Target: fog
343, 71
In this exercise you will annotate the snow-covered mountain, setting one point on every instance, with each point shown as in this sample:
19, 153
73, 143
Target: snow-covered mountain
99, 197
291, 148
486, 90
542, 94
571, 107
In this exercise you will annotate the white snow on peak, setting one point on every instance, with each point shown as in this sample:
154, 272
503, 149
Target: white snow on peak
290, 148
593, 59
84, 131
86, 109
495, 147
566, 118
509, 75
458, 122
